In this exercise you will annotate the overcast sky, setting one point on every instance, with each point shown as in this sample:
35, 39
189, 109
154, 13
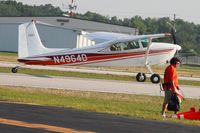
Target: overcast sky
188, 10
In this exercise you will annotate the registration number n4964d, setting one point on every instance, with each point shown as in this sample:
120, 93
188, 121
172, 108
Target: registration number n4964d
70, 58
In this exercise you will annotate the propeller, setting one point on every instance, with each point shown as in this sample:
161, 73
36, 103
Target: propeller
173, 33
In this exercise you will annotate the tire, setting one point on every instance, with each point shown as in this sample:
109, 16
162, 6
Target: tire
141, 77
155, 78
14, 70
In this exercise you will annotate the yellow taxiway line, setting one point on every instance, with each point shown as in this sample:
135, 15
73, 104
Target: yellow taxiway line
40, 126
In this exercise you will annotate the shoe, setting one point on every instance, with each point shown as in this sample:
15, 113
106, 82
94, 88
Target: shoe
163, 115
174, 116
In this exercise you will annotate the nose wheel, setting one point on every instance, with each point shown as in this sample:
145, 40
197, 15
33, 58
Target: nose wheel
155, 78
141, 77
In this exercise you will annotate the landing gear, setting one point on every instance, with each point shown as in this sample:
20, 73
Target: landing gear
141, 77
155, 78
14, 69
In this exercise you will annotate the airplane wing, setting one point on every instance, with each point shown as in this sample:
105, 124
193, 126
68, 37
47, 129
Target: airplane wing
104, 36
141, 37
154, 36
109, 36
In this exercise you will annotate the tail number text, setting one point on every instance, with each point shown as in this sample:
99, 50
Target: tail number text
70, 58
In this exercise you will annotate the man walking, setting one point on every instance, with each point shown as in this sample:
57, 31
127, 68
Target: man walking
171, 83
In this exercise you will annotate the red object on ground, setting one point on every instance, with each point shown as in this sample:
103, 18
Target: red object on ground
191, 115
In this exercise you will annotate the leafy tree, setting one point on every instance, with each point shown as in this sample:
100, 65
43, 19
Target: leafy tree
151, 25
114, 20
138, 22
14, 9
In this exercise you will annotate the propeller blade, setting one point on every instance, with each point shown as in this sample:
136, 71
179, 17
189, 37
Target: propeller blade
174, 36
173, 32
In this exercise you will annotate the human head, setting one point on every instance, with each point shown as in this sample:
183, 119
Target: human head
175, 61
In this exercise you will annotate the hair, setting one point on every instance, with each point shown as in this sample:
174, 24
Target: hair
175, 60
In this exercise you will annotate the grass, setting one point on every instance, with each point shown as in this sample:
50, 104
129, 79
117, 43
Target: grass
8, 57
137, 106
68, 74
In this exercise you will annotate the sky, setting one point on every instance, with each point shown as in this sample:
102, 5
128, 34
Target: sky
188, 10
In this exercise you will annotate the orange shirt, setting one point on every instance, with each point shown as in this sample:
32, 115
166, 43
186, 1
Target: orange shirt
171, 75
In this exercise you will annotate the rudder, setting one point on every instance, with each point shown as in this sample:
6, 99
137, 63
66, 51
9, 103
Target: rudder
29, 43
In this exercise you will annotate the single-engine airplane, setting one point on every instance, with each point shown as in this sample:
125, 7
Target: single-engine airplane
114, 50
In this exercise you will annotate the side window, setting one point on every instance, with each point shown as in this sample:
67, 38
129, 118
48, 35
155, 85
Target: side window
125, 46
132, 45
116, 47
145, 43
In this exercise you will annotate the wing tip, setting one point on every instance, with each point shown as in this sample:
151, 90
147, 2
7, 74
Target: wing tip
167, 34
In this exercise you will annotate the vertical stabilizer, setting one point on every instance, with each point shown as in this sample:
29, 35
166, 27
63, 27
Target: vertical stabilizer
29, 43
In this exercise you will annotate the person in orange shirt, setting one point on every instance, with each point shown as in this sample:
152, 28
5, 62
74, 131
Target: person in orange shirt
171, 83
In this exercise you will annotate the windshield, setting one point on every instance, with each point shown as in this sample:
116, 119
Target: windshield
145, 42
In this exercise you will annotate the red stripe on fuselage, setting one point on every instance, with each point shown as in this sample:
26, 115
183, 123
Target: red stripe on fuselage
91, 58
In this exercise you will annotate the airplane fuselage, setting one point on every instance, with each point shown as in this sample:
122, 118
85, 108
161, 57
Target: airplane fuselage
158, 54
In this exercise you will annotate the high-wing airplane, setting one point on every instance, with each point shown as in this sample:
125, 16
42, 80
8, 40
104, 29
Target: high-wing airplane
114, 50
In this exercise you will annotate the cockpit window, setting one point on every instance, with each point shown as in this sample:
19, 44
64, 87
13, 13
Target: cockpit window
131, 45
125, 46
145, 43
116, 47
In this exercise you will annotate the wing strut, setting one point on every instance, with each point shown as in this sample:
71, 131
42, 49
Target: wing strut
155, 78
147, 55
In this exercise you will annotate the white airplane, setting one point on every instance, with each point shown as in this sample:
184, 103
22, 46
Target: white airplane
114, 50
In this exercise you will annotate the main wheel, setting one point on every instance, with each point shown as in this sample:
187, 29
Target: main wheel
155, 78
141, 77
14, 70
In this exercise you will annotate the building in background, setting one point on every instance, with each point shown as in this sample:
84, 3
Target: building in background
190, 59
58, 32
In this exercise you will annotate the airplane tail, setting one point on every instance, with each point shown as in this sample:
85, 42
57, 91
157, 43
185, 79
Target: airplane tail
29, 42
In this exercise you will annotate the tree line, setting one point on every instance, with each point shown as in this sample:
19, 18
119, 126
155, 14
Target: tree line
12, 8
188, 34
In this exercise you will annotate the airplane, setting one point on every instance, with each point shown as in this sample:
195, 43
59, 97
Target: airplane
115, 49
